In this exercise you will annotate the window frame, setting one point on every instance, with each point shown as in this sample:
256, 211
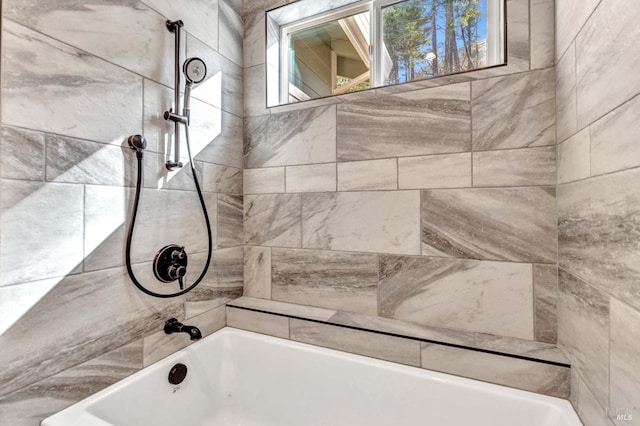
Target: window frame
496, 40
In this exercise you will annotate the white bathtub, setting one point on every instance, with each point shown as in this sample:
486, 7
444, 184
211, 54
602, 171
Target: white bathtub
241, 378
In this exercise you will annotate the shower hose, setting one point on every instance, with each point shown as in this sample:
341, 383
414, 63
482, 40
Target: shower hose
136, 200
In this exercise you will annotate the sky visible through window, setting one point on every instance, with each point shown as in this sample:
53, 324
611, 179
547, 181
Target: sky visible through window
426, 38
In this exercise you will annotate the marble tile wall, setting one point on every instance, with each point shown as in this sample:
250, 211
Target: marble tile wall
598, 233
77, 78
427, 203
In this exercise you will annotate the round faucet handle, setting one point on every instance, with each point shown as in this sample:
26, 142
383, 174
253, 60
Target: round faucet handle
177, 271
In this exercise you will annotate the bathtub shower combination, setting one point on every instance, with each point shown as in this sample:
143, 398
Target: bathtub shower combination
236, 377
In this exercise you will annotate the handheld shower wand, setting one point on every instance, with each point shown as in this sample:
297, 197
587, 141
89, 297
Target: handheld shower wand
170, 264
195, 71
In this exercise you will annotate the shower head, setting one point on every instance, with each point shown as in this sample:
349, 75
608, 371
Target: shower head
195, 70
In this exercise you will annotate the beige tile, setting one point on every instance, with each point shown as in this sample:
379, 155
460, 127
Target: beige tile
41, 237
390, 348
368, 175
514, 111
311, 178
545, 292
517, 224
566, 112
471, 295
601, 89
273, 325
21, 154
264, 181
571, 15
272, 220
257, 272
522, 374
292, 138
325, 279
435, 171
583, 332
30, 405
625, 363
574, 158
589, 409
614, 139
385, 222
542, 17
255, 96
64, 85
217, 178
515, 167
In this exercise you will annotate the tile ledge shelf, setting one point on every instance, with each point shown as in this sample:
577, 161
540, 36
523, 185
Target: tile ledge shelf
474, 341
543, 370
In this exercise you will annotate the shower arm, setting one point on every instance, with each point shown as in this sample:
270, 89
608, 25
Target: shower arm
176, 27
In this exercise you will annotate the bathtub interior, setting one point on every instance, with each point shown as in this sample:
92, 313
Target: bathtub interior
242, 378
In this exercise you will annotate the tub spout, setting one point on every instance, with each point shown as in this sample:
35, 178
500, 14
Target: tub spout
172, 325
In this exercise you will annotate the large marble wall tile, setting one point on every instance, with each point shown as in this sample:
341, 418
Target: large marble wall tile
222, 179
229, 223
29, 405
41, 236
574, 157
272, 220
542, 46
532, 376
78, 161
200, 17
82, 317
63, 90
21, 154
226, 148
257, 272
264, 181
602, 88
221, 284
591, 412
255, 93
379, 222
518, 36
107, 211
368, 175
435, 171
149, 47
311, 178
566, 112
597, 232
545, 292
515, 167
614, 139
516, 224
583, 332
231, 32
346, 281
157, 131
514, 111
258, 322
488, 297
570, 17
625, 363
223, 86
428, 121
390, 348
298, 137
253, 47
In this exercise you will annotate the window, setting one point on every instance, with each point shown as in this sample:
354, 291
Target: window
377, 43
